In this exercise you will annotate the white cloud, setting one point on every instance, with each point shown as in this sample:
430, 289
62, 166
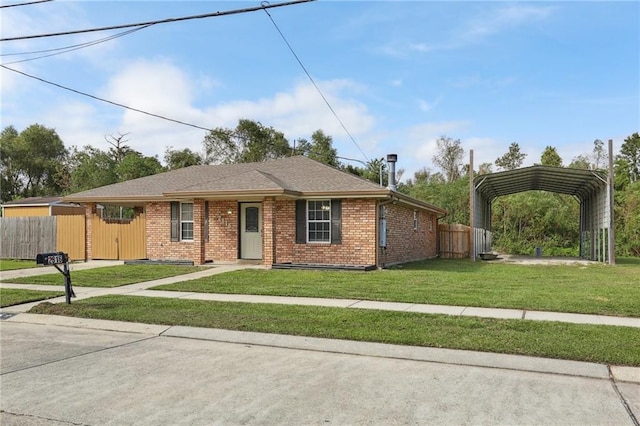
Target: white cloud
472, 31
160, 87
505, 18
427, 106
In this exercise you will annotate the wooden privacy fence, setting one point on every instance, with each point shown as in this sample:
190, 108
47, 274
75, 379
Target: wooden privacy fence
25, 237
453, 241
119, 239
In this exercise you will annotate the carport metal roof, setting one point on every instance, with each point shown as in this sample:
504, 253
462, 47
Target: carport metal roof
591, 189
577, 182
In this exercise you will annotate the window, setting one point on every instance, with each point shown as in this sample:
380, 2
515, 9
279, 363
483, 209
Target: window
415, 220
186, 221
431, 222
181, 221
319, 221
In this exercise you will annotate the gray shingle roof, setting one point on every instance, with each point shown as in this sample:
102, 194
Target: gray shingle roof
293, 176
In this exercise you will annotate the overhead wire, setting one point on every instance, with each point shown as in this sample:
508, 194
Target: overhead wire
67, 49
326, 101
104, 100
143, 25
161, 21
24, 4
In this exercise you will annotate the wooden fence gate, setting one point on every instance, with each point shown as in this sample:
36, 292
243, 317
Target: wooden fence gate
453, 241
118, 239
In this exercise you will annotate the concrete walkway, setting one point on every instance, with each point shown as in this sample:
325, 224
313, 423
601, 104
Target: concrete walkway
141, 289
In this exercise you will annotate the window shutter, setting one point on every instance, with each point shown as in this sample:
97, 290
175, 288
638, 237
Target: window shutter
301, 221
336, 221
175, 221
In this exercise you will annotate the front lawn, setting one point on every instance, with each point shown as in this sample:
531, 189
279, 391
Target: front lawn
580, 342
593, 289
11, 264
110, 276
11, 296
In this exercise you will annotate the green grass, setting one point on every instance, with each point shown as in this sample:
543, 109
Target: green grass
594, 289
110, 276
11, 296
11, 264
593, 343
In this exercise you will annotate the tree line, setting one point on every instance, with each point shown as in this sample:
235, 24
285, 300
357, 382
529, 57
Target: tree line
35, 162
523, 221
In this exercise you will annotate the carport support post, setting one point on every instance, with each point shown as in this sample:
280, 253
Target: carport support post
612, 240
472, 192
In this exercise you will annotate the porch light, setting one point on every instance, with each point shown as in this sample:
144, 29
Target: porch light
229, 211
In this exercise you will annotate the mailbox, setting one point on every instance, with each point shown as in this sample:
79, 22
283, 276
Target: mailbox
58, 258
55, 259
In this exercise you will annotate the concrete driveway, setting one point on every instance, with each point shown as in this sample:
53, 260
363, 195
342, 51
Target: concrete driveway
55, 375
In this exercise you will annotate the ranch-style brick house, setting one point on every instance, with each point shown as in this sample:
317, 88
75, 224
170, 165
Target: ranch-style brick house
288, 211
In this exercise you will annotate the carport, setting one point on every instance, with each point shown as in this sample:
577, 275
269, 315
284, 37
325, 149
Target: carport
589, 187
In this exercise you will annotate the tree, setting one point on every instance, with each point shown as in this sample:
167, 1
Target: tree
177, 159
449, 157
550, 157
118, 149
599, 155
9, 173
580, 162
32, 162
320, 149
249, 142
135, 165
485, 168
91, 168
630, 153
512, 159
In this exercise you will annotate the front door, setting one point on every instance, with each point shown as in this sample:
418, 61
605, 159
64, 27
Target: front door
251, 231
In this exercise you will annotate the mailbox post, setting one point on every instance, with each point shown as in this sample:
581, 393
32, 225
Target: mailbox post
57, 259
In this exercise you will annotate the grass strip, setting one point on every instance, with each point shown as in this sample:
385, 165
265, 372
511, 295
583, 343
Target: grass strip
12, 296
593, 289
12, 264
110, 276
580, 342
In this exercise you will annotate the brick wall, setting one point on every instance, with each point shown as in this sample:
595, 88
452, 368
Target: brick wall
358, 245
89, 211
223, 231
404, 243
159, 244
359, 234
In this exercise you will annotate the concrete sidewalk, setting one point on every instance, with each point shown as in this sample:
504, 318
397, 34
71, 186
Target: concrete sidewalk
141, 289
43, 270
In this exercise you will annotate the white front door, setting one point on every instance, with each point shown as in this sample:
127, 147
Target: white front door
251, 231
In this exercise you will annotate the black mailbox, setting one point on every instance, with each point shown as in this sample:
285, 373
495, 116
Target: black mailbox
55, 259
58, 258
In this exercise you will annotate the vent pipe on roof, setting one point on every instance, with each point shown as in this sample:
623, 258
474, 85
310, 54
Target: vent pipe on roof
391, 161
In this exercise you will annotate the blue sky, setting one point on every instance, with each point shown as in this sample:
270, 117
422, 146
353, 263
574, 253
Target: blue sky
399, 74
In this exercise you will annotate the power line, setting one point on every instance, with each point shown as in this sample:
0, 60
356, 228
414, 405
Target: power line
25, 3
313, 81
33, 52
104, 100
263, 6
67, 49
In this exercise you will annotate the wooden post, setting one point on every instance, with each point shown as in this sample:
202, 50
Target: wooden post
472, 192
612, 240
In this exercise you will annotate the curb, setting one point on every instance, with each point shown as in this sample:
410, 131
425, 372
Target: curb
381, 350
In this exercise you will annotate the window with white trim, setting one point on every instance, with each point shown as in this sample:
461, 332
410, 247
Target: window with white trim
415, 220
319, 221
186, 221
